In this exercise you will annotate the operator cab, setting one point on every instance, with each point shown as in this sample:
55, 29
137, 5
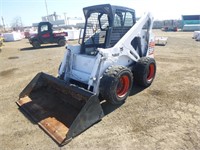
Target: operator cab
45, 32
105, 25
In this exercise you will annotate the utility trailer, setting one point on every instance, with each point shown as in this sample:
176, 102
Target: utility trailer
162, 41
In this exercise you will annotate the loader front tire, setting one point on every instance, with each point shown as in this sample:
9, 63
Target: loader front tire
145, 71
116, 84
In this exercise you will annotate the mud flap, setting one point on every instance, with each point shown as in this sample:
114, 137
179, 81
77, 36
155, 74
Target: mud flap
61, 109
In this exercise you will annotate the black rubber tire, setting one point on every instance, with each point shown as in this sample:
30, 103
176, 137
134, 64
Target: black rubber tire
145, 71
36, 44
61, 42
116, 84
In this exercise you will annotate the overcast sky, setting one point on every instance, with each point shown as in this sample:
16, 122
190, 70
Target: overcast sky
31, 11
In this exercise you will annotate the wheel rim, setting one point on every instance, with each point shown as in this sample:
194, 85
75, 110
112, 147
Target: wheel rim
123, 86
150, 75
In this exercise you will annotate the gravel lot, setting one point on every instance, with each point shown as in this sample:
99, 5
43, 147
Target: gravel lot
164, 116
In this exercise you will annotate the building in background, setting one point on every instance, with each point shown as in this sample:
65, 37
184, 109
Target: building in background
191, 22
57, 20
168, 24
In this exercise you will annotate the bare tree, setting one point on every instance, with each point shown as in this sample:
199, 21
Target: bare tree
17, 23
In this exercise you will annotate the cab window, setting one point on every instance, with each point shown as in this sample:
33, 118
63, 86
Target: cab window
44, 28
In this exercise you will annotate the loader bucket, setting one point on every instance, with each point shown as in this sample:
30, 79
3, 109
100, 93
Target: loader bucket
62, 110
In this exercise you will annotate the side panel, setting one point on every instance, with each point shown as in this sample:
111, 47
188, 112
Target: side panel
83, 63
65, 64
124, 60
79, 76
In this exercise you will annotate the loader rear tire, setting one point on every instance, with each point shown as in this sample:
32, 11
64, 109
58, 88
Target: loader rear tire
145, 71
61, 42
116, 84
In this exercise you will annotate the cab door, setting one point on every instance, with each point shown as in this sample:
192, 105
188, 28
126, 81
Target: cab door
45, 33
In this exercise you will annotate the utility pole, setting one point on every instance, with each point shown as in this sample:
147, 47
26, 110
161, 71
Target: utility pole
3, 24
47, 10
65, 18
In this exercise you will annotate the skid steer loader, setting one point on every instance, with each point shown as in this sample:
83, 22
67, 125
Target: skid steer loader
115, 50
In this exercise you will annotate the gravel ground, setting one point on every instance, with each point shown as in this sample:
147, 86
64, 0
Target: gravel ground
164, 116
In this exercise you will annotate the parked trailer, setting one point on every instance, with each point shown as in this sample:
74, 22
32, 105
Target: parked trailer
161, 41
191, 27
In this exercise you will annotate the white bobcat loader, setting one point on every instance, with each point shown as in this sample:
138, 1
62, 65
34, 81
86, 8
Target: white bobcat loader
115, 50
